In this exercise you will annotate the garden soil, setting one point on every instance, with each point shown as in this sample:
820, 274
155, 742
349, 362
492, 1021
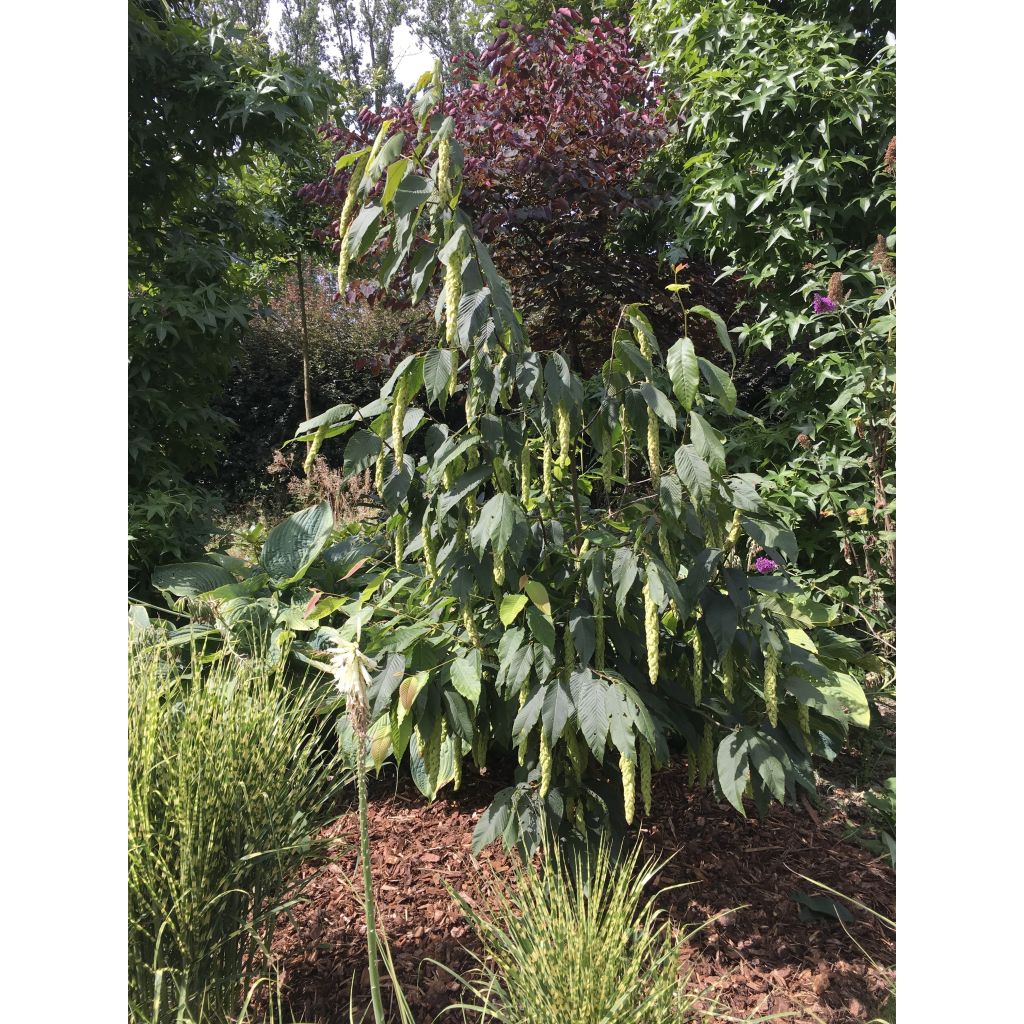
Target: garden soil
759, 957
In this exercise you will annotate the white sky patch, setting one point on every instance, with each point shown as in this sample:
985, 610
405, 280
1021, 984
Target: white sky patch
411, 59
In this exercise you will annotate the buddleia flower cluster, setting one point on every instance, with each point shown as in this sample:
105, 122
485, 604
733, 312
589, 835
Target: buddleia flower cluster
350, 669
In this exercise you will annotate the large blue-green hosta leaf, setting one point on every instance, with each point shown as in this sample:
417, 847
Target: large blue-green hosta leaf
291, 546
190, 579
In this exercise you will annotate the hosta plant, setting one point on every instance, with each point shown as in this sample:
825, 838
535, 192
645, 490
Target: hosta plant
566, 577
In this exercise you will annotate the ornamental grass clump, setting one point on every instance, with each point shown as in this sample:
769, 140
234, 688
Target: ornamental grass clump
576, 938
228, 784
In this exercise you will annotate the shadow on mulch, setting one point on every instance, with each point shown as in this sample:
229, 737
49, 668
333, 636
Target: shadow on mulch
759, 959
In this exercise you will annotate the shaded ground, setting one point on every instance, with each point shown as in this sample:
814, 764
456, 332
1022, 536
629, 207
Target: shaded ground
761, 959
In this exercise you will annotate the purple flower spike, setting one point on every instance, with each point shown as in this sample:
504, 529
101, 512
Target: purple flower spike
765, 566
822, 304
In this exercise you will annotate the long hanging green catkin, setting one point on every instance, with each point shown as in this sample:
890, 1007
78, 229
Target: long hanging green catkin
624, 421
728, 670
378, 476
398, 419
569, 652
457, 755
444, 171
652, 631
628, 770
771, 676
546, 763
599, 641
577, 753
452, 294
607, 457
399, 544
314, 448
429, 551
499, 570
697, 678
562, 422
707, 754
344, 222
803, 713
645, 774
525, 468
665, 546
654, 449
480, 741
470, 627
549, 471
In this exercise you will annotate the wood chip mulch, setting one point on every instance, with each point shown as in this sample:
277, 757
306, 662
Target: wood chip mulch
758, 959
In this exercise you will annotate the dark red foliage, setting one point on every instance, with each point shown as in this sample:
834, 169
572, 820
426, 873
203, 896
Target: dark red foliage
554, 125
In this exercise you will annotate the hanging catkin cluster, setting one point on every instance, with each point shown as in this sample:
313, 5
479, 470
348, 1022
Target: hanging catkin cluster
562, 422
707, 754
628, 770
697, 678
624, 422
771, 676
344, 222
607, 457
569, 652
577, 753
652, 629
654, 449
525, 469
444, 171
452, 294
378, 476
457, 755
546, 763
429, 550
728, 670
644, 753
470, 626
803, 713
314, 448
398, 412
400, 539
549, 471
480, 740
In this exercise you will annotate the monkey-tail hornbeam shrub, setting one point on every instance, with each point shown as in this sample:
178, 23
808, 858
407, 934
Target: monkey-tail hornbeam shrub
582, 618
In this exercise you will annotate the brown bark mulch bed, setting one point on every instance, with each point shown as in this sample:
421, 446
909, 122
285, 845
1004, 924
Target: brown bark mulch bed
759, 959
